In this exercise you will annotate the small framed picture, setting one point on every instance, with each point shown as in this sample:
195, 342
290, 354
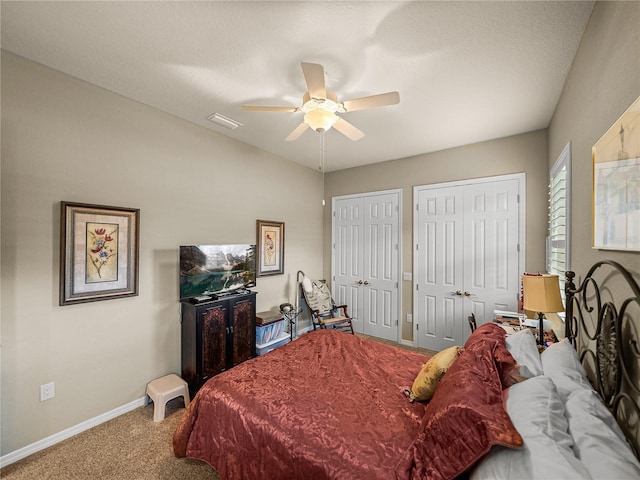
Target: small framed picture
98, 252
270, 243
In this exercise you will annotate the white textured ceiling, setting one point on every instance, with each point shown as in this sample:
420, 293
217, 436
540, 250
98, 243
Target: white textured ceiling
466, 71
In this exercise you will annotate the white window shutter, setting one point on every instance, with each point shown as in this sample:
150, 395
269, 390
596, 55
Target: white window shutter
559, 239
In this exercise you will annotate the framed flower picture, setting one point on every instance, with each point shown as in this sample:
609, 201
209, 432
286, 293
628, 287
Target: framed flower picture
270, 243
98, 252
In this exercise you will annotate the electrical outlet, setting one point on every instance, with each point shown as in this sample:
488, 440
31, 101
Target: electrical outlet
407, 276
409, 318
47, 391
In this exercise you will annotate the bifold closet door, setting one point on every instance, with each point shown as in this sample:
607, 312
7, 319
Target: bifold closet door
491, 249
366, 261
439, 272
466, 258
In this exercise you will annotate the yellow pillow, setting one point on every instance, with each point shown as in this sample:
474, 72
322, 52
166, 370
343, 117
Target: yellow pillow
427, 380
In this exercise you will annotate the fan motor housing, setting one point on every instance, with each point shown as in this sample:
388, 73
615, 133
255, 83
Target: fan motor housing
330, 103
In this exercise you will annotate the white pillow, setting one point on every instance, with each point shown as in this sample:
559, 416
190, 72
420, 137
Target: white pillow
538, 414
561, 356
522, 346
598, 441
560, 362
307, 285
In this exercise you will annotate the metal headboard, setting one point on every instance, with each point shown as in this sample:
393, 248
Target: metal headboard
603, 323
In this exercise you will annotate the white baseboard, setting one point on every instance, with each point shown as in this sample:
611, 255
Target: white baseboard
305, 330
408, 343
23, 452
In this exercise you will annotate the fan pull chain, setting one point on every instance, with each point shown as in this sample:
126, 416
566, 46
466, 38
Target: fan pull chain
322, 163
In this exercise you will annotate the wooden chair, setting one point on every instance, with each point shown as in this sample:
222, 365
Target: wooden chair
472, 323
324, 312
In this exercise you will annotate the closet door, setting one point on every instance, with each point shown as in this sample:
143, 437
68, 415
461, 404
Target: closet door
348, 273
380, 266
439, 272
467, 257
491, 279
366, 237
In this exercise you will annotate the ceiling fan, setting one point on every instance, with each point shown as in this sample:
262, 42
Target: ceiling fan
320, 106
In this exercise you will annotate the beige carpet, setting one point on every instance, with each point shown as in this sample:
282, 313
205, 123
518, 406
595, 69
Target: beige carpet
129, 447
429, 353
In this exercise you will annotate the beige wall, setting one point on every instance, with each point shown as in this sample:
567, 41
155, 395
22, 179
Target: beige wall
64, 139
603, 82
521, 153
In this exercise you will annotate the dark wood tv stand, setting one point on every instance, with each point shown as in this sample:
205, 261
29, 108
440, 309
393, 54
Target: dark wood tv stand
216, 336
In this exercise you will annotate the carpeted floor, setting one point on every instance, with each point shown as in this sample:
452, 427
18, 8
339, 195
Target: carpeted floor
429, 353
129, 447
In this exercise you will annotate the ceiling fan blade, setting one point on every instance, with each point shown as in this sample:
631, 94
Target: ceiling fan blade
314, 76
267, 108
380, 100
299, 130
348, 130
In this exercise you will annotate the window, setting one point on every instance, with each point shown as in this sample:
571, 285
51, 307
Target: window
559, 239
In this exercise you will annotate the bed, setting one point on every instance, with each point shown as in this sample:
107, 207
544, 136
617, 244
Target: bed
335, 406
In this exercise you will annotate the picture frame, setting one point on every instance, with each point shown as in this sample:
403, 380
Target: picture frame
99, 249
270, 247
616, 184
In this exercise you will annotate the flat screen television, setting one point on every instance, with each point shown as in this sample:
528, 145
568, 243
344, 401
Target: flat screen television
216, 269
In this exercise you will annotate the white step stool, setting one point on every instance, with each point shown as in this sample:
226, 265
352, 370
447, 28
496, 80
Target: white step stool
166, 388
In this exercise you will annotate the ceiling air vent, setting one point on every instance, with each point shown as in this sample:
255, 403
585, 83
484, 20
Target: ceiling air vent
224, 121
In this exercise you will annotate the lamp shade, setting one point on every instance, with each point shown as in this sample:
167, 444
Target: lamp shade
542, 293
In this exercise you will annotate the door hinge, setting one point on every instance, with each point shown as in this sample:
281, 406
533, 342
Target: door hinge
518, 197
396, 284
417, 326
518, 248
417, 287
396, 323
417, 246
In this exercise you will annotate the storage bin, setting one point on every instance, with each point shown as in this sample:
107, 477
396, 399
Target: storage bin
263, 348
270, 331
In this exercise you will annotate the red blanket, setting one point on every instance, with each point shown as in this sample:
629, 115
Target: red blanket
328, 405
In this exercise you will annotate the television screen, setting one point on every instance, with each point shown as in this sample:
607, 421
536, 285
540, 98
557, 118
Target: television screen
213, 269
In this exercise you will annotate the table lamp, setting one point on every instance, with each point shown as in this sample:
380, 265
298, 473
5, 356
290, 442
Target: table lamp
542, 295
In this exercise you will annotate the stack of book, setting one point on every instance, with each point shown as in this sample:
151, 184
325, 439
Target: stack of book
514, 319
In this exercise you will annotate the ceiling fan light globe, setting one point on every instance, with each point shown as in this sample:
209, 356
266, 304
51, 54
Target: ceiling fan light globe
320, 120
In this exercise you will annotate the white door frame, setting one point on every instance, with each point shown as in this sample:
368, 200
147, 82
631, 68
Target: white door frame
398, 191
522, 196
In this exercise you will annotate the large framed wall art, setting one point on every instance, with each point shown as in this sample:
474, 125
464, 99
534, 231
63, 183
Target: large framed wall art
98, 252
616, 184
270, 243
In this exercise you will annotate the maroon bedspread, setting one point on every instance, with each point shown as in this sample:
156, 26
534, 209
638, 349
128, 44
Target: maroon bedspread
328, 405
